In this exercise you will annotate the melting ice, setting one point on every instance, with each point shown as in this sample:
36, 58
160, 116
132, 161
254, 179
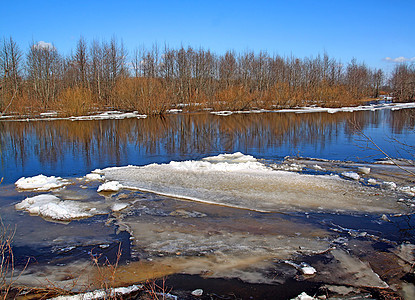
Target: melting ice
242, 181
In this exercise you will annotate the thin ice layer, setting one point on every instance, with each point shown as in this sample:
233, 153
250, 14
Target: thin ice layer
242, 181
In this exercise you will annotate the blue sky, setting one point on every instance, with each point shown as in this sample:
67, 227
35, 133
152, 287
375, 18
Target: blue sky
368, 30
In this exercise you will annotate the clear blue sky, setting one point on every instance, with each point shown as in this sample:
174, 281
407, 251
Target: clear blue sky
368, 30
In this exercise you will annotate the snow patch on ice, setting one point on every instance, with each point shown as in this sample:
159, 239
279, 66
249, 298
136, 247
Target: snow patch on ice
93, 177
389, 185
50, 206
222, 113
351, 175
41, 183
110, 115
318, 168
119, 206
410, 191
234, 158
289, 167
304, 296
364, 170
303, 267
372, 181
49, 114
110, 186
102, 294
174, 111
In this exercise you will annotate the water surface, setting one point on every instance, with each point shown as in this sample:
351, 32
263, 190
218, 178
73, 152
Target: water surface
162, 235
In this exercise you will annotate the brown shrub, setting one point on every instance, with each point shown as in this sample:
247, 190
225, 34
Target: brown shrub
75, 101
235, 98
145, 95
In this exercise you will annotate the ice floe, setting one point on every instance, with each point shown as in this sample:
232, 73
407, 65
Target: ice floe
41, 183
372, 181
242, 181
93, 177
50, 206
351, 175
364, 170
110, 186
389, 185
119, 206
410, 191
305, 268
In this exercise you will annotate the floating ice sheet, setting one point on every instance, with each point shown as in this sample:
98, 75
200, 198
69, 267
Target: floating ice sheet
242, 181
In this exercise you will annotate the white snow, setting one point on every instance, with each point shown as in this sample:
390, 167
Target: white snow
197, 292
364, 170
174, 111
308, 270
93, 177
304, 296
119, 206
102, 294
49, 114
351, 175
316, 109
223, 113
41, 183
410, 191
110, 115
50, 206
97, 171
372, 181
110, 186
389, 185
233, 158
303, 267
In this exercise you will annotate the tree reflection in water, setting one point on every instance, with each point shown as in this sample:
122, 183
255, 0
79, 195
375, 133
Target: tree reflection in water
31, 147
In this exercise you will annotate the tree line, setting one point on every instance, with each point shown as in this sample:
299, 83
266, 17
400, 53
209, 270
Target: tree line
102, 74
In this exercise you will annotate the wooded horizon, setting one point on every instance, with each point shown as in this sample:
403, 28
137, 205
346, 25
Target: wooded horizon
102, 75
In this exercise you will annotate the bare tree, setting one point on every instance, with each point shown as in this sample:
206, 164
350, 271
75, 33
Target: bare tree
403, 82
11, 61
44, 66
81, 61
96, 68
377, 81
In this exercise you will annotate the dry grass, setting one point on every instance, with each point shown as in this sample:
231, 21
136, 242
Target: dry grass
8, 274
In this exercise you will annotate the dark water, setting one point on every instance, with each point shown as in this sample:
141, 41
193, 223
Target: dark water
67, 148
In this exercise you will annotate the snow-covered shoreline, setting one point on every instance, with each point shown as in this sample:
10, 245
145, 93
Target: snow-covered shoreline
118, 115
317, 109
53, 116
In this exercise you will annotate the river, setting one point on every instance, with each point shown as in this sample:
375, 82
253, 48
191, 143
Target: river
252, 205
